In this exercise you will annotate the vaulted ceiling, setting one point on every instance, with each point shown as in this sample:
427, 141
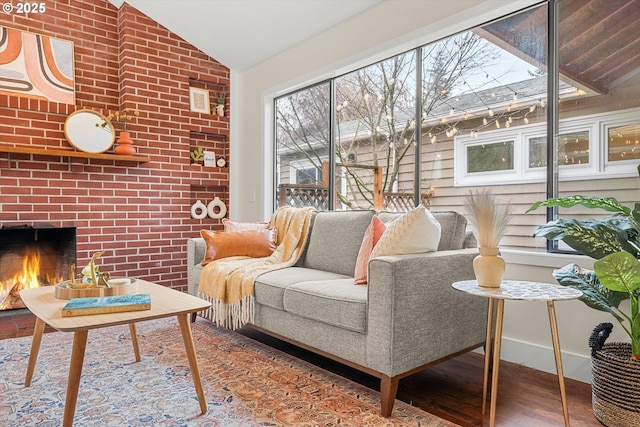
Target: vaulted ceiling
243, 33
599, 44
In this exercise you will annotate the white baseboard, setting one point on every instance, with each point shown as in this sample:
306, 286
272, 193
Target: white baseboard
574, 366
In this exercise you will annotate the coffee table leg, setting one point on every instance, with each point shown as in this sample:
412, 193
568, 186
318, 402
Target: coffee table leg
75, 371
38, 330
134, 340
187, 337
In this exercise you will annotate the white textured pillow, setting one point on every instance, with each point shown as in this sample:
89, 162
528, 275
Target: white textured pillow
415, 232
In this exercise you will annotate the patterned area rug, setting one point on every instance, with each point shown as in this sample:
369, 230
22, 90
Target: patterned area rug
246, 384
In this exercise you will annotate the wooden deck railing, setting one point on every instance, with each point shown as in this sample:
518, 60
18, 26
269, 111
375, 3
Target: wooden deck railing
299, 195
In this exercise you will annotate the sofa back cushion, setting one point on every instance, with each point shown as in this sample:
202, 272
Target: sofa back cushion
336, 237
453, 229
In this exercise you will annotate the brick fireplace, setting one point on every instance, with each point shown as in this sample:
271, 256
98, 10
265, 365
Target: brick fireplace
136, 212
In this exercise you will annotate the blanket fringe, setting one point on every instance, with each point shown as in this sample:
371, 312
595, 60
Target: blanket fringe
231, 316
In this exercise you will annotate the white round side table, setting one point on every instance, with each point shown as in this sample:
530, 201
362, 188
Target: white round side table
517, 290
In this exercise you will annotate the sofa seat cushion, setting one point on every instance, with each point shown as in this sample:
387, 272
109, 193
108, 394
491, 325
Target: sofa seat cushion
337, 302
269, 287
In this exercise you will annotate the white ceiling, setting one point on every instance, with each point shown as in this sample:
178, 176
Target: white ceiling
243, 33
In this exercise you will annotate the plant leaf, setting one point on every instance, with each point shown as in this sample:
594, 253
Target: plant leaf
609, 204
635, 336
589, 237
635, 213
619, 272
594, 294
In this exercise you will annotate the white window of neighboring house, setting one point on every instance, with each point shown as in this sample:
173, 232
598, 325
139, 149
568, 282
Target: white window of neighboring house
621, 139
305, 173
589, 147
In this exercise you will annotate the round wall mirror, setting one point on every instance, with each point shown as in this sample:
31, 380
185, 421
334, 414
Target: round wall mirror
89, 131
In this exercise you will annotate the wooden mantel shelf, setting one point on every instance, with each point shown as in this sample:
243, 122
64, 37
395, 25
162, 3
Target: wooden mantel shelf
58, 152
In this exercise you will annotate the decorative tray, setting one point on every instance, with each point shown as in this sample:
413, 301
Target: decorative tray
118, 286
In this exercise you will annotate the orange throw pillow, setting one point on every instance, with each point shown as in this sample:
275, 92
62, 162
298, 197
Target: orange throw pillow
252, 243
371, 236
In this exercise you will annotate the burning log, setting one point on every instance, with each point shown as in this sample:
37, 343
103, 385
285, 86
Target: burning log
12, 299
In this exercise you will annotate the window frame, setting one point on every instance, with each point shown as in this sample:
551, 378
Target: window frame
598, 167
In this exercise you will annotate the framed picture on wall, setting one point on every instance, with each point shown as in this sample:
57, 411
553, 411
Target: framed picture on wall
36, 66
199, 100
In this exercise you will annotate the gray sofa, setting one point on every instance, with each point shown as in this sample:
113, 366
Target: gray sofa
407, 318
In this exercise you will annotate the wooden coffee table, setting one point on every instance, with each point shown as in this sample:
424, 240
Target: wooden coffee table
165, 302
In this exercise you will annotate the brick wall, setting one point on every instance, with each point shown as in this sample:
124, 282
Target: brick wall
138, 213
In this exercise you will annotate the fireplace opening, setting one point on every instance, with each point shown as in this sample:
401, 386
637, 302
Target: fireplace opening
33, 257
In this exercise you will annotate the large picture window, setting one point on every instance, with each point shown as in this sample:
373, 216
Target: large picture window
471, 111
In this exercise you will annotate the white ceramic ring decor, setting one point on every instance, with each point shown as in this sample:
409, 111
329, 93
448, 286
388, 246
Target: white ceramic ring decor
198, 210
211, 208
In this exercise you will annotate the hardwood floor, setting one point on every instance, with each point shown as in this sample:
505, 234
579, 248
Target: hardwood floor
451, 390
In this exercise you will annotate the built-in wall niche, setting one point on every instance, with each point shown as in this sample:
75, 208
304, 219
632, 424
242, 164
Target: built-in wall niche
216, 96
208, 149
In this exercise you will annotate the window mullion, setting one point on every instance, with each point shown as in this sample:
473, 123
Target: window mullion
552, 105
417, 181
333, 122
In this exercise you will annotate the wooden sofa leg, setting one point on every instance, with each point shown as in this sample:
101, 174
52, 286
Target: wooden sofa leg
193, 317
388, 391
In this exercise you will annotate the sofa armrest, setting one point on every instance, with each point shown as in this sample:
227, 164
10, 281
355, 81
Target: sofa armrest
196, 248
415, 316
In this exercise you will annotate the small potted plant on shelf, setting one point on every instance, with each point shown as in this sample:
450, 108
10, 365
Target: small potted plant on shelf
615, 243
220, 98
197, 156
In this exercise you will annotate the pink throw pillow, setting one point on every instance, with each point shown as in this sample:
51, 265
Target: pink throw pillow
371, 236
243, 226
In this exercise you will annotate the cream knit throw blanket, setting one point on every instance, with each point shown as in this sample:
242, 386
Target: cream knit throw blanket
228, 282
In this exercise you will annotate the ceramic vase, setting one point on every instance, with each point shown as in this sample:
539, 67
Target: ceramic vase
220, 110
489, 268
125, 145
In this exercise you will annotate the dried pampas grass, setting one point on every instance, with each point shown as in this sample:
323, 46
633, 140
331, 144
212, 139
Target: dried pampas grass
488, 220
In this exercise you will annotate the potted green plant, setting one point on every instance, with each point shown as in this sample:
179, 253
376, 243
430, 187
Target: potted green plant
614, 242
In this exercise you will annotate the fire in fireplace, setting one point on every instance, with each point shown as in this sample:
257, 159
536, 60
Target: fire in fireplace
33, 257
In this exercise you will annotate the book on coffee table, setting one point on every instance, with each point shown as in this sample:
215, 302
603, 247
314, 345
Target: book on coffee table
108, 304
